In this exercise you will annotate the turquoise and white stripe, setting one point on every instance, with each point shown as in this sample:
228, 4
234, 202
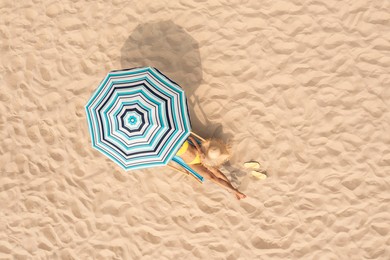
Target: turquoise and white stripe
138, 118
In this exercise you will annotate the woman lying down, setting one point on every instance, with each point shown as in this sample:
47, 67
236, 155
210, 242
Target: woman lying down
206, 160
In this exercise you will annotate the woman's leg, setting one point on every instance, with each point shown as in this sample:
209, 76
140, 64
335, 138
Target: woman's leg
218, 173
223, 183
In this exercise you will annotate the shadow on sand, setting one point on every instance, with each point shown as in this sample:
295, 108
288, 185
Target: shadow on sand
169, 48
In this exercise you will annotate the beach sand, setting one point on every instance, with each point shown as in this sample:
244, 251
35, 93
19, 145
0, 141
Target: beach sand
303, 87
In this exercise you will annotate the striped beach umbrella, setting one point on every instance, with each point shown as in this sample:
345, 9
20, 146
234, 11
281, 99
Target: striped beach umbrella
138, 118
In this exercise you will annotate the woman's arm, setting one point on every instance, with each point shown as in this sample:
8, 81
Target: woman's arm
195, 144
216, 172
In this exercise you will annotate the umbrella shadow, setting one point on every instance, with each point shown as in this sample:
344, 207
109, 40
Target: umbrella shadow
169, 48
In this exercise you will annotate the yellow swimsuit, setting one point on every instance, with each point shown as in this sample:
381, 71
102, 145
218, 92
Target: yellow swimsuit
184, 148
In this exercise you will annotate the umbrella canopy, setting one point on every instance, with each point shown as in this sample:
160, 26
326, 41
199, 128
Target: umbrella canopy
138, 118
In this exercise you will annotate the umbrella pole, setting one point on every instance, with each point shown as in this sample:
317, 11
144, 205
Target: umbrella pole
185, 172
197, 136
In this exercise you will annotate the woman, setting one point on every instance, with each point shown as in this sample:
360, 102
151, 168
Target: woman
205, 161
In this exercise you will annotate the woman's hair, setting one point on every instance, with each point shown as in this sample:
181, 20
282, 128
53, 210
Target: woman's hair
216, 152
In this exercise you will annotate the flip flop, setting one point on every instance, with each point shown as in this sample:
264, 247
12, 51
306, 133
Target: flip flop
252, 165
259, 175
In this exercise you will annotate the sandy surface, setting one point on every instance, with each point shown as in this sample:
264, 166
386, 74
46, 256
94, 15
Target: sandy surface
301, 86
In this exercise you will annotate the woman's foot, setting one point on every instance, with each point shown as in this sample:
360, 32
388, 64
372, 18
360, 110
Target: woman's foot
240, 195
